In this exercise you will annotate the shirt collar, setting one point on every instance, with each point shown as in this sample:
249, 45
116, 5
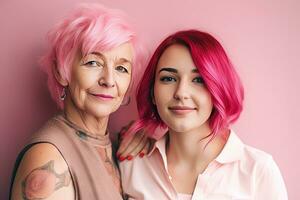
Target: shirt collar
232, 151
160, 145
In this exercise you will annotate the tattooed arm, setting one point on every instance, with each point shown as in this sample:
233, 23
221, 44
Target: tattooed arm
43, 174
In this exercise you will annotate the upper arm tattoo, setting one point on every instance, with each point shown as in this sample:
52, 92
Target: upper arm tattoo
41, 182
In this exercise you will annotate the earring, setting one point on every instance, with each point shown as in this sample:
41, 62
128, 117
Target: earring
126, 102
63, 94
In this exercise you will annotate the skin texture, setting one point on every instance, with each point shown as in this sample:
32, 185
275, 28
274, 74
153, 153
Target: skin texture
133, 145
111, 167
43, 181
43, 173
178, 83
107, 73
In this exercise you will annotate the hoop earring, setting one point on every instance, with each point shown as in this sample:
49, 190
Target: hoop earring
126, 102
63, 94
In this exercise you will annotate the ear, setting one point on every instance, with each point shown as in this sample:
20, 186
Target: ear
59, 77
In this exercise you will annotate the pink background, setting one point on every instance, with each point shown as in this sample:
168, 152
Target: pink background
261, 37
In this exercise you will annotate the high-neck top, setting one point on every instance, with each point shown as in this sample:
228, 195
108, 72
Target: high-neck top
93, 172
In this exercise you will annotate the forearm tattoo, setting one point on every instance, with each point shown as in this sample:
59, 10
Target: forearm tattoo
41, 182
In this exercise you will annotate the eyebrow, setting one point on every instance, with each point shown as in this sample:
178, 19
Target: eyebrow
168, 69
124, 60
121, 60
97, 54
173, 70
195, 70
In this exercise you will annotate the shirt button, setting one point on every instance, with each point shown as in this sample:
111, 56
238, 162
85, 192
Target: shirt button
170, 177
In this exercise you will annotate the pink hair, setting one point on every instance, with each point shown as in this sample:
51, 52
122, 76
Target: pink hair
90, 27
219, 76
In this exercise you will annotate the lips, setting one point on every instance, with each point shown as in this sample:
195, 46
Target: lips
104, 97
181, 110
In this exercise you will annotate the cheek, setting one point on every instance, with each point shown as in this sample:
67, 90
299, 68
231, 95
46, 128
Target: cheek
85, 78
123, 85
157, 97
162, 93
161, 100
81, 81
205, 101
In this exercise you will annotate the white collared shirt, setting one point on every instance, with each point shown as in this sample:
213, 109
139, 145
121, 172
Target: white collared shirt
239, 172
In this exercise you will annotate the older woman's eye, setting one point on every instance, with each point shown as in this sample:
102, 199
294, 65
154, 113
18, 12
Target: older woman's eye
93, 63
167, 79
121, 69
198, 80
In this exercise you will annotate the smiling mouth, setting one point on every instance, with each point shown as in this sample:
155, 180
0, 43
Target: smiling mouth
104, 97
181, 110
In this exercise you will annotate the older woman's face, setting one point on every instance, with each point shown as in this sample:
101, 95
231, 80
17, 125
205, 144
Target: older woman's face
99, 80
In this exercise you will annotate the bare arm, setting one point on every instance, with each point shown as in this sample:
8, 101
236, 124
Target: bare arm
43, 174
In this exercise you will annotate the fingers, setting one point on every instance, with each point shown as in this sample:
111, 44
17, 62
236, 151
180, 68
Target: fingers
145, 149
130, 146
125, 128
124, 143
138, 149
141, 149
124, 140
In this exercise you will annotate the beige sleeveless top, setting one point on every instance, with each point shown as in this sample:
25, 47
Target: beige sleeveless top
88, 158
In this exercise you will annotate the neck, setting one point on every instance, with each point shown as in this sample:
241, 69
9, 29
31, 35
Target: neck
194, 148
95, 126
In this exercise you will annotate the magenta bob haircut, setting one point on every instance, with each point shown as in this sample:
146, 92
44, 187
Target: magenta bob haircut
88, 28
219, 76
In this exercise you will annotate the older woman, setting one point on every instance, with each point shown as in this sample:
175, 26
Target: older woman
90, 63
191, 88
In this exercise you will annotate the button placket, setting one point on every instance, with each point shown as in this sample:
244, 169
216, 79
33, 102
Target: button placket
202, 181
198, 193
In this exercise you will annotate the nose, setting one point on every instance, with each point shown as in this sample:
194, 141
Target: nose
182, 91
107, 78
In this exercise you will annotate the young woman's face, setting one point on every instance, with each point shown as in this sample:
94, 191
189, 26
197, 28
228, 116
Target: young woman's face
181, 98
99, 80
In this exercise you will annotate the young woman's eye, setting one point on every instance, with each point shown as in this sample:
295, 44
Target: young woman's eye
198, 80
93, 63
167, 79
122, 69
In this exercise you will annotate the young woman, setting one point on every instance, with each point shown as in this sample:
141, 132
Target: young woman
191, 88
92, 57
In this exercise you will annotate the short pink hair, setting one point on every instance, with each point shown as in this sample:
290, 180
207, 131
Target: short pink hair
220, 77
88, 28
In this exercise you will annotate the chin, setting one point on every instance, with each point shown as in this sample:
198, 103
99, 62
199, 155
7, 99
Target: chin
179, 127
99, 112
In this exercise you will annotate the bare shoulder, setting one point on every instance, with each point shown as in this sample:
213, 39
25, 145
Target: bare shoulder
43, 174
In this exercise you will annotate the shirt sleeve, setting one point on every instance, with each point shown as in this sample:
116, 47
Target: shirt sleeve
270, 184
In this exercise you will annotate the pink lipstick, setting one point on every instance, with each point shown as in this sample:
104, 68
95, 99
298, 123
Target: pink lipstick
181, 110
104, 97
